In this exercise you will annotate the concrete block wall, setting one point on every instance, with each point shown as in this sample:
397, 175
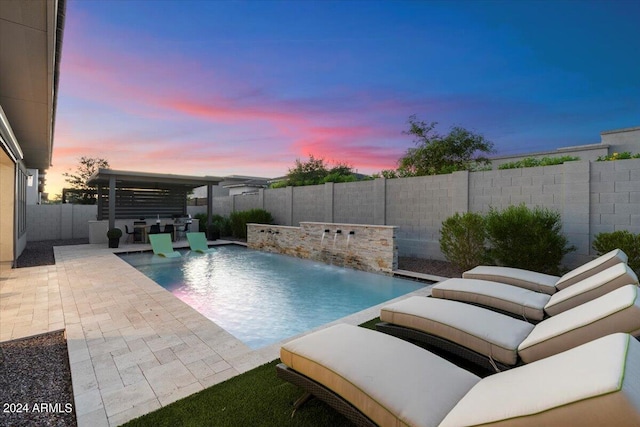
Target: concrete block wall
43, 222
308, 204
353, 202
222, 205
53, 222
575, 210
245, 202
278, 202
615, 196
418, 206
592, 197
541, 186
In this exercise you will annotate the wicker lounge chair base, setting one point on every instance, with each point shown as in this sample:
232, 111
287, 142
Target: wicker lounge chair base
484, 337
455, 353
373, 378
314, 389
530, 305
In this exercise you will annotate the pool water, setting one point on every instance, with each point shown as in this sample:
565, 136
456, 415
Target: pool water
262, 298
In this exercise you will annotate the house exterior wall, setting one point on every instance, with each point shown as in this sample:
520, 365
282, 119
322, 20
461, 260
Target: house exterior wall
622, 140
7, 209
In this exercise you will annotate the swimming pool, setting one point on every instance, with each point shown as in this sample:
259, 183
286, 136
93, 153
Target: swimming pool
262, 298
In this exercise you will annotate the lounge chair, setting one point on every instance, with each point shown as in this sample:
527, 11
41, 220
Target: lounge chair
198, 243
530, 305
161, 245
545, 283
495, 341
375, 379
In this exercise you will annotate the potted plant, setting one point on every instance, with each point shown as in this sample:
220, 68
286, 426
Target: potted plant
114, 235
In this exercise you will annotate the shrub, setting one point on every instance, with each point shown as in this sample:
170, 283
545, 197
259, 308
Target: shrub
530, 162
462, 240
624, 240
222, 224
529, 239
114, 233
218, 222
618, 156
240, 219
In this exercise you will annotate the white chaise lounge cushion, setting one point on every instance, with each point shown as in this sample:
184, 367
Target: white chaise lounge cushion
512, 299
617, 311
391, 381
526, 279
595, 384
590, 288
484, 331
545, 283
594, 266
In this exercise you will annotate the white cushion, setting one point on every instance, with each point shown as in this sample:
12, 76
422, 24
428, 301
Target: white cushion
595, 384
594, 266
590, 288
531, 280
617, 311
484, 331
391, 381
512, 299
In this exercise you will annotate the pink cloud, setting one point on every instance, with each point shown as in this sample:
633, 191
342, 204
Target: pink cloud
153, 121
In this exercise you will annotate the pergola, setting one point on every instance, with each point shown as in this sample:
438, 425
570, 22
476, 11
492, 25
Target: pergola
127, 194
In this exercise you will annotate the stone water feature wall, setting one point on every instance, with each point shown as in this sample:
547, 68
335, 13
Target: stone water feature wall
363, 247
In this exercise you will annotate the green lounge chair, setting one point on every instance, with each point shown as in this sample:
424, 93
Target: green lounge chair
161, 244
198, 243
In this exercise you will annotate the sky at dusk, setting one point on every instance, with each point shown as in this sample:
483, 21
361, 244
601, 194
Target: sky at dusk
246, 87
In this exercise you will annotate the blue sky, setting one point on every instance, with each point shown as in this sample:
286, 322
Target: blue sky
246, 87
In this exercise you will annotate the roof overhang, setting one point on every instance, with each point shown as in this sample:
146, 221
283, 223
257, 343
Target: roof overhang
30, 47
131, 179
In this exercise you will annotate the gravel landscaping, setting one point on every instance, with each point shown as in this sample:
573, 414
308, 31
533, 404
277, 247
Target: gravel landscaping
35, 382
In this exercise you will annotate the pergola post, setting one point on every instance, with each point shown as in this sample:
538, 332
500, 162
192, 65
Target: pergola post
99, 198
112, 202
209, 205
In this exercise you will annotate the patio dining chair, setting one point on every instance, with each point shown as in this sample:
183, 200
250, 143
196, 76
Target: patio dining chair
130, 234
170, 229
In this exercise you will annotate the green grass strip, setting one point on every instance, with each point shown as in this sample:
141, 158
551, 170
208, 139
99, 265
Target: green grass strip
254, 398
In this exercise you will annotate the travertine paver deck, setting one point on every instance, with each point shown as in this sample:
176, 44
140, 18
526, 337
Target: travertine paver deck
133, 346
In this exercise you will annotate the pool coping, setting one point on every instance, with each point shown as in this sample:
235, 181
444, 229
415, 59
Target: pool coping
133, 346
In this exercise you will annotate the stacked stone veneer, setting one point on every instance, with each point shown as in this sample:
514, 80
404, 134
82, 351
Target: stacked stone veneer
370, 247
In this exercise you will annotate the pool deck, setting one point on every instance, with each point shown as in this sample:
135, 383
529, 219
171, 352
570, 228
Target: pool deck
133, 346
